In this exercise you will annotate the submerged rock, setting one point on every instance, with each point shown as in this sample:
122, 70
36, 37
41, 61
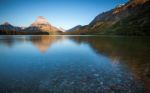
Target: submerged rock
96, 75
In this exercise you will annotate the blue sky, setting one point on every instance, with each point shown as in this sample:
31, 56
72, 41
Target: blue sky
60, 13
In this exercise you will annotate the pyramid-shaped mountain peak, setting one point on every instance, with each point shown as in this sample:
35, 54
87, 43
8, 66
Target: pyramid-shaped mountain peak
41, 20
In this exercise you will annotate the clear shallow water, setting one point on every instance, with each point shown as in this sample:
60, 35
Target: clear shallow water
74, 64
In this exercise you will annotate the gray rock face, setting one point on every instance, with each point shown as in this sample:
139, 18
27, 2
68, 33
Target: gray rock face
8, 27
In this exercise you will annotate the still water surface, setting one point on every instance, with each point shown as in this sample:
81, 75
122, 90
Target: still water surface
74, 64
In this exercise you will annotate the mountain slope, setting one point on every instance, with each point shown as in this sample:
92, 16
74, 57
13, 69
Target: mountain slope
42, 25
8, 27
135, 24
131, 18
74, 28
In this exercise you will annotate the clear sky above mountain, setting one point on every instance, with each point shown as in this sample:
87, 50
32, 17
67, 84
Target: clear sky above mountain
60, 13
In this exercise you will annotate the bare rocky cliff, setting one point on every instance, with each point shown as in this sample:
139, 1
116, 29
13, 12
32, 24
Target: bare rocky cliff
42, 25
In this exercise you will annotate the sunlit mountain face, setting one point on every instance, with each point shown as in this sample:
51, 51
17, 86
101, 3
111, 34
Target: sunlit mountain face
40, 52
129, 19
40, 27
41, 24
40, 20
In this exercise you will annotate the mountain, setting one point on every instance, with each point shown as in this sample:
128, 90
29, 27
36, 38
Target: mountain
74, 28
8, 27
61, 29
132, 18
42, 25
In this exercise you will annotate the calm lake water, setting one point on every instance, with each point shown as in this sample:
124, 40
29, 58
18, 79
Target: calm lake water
74, 64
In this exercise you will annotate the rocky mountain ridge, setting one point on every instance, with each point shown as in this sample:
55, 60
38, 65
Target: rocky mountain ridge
7, 26
39, 26
42, 25
115, 21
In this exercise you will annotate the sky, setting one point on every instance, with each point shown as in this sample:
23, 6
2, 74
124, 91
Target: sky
60, 13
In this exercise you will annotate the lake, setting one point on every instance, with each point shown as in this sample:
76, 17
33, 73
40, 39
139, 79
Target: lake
74, 64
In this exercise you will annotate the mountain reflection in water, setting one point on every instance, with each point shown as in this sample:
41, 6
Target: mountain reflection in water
74, 64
